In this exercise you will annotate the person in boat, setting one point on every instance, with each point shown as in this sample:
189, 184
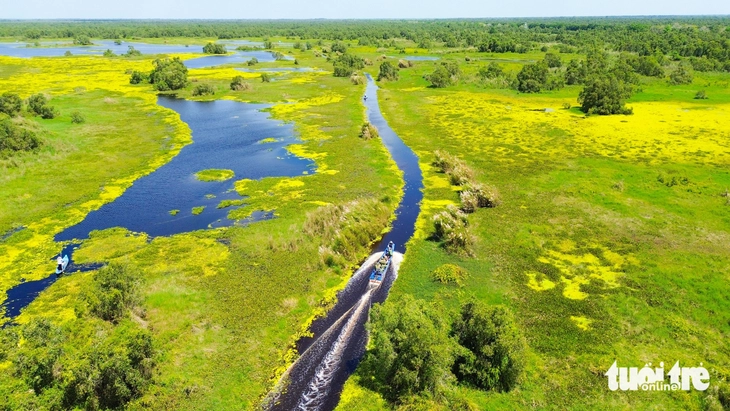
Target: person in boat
59, 261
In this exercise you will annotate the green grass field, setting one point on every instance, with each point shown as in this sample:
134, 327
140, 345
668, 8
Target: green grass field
611, 242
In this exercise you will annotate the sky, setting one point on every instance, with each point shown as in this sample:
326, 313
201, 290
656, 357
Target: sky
347, 9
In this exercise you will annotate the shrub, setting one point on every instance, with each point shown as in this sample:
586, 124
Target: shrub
68, 53
278, 56
10, 104
15, 138
82, 40
410, 352
460, 174
253, 61
36, 359
493, 353
113, 291
109, 53
38, 105
490, 71
449, 273
338, 47
451, 227
567, 106
357, 79
552, 60
203, 90
49, 112
388, 71
368, 131
212, 48
682, 75
265, 78
486, 195
138, 77
77, 117
346, 64
701, 95
132, 52
169, 74
238, 84
469, 201
440, 78
443, 161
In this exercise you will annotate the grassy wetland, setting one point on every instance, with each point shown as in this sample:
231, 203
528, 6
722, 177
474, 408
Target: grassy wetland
594, 238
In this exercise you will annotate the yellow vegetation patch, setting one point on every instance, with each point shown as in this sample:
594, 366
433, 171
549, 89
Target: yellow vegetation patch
581, 322
578, 268
538, 281
657, 132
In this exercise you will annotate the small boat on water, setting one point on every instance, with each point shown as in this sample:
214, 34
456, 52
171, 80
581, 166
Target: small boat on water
382, 265
61, 267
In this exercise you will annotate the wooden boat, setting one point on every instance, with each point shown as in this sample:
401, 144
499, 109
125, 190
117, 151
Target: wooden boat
61, 268
382, 265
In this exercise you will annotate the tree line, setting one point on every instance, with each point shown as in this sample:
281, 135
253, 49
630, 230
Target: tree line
698, 37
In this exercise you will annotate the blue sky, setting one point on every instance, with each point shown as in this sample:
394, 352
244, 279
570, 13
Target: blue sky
332, 9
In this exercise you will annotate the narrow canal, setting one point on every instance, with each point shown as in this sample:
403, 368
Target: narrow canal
315, 380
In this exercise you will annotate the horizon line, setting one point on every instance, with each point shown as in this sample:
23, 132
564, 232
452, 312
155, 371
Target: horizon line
3, 20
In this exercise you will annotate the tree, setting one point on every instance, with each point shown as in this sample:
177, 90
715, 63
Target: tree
265, 78
238, 84
574, 72
623, 71
338, 47
109, 53
553, 60
682, 75
10, 104
253, 61
38, 105
411, 352
131, 52
388, 71
169, 74
605, 96
346, 64
493, 348
491, 71
532, 78
440, 78
212, 48
82, 40
268, 45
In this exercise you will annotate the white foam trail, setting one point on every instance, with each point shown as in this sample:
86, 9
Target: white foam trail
320, 384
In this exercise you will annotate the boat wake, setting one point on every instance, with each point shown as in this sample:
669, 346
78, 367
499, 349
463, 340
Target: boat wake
325, 364
319, 387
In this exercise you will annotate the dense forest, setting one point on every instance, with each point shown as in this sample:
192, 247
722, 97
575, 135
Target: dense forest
686, 36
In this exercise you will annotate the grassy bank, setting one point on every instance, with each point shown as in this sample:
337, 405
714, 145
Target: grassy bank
608, 245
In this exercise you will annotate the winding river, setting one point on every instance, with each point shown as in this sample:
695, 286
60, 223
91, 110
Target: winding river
315, 380
231, 135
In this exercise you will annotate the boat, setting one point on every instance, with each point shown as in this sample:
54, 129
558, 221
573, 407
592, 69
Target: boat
382, 265
61, 268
